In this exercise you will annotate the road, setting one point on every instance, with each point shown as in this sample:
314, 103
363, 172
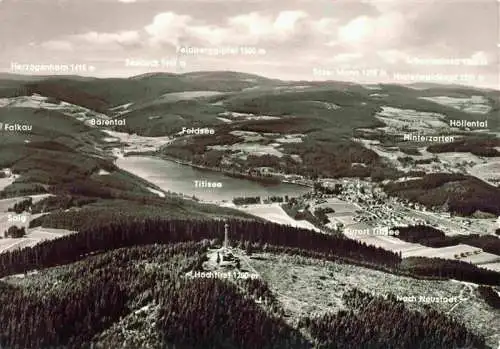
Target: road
461, 296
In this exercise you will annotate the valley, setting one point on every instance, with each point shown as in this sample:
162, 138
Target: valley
115, 202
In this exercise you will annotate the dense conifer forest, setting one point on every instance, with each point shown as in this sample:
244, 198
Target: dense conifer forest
477, 146
195, 325
139, 297
490, 296
124, 231
378, 323
70, 305
432, 237
459, 194
86, 290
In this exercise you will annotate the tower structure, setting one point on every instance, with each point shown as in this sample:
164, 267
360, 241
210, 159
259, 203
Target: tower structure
228, 258
226, 236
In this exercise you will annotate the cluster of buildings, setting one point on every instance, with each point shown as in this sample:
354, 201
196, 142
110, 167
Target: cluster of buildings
376, 207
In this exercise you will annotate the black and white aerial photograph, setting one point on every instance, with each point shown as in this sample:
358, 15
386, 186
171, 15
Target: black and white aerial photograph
249, 174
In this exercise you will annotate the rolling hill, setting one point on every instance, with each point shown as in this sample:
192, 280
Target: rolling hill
120, 281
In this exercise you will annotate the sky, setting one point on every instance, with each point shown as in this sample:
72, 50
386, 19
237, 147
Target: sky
367, 41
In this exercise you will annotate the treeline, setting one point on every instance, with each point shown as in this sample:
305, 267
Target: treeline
432, 237
96, 303
196, 149
68, 307
456, 193
378, 323
300, 212
322, 212
487, 243
22, 189
247, 200
336, 190
415, 267
104, 211
452, 269
60, 90
212, 314
479, 147
279, 199
68, 318
128, 232
125, 232
22, 206
266, 160
408, 160
335, 160
490, 296
62, 202
425, 235
15, 232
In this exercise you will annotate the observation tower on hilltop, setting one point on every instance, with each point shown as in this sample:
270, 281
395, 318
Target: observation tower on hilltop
226, 236
225, 251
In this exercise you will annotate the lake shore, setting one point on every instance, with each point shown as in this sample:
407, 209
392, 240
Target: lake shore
259, 179
179, 177
151, 170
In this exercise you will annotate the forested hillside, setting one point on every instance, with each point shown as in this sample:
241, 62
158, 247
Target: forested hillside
126, 231
138, 297
460, 194
375, 322
429, 236
129, 231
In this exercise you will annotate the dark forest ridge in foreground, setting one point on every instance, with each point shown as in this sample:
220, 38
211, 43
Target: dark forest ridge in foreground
129, 280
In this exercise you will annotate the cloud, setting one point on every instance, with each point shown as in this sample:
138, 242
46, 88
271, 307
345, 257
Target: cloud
121, 38
384, 6
57, 45
256, 27
246, 29
211, 35
297, 34
287, 21
168, 27
382, 31
326, 26
357, 30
